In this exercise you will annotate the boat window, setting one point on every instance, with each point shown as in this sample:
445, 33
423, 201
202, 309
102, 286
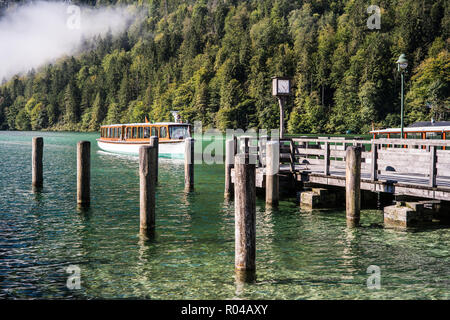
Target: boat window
179, 132
147, 132
134, 132
434, 135
140, 132
109, 132
154, 131
163, 132
128, 133
413, 135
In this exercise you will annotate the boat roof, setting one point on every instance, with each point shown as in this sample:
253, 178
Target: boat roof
146, 123
413, 129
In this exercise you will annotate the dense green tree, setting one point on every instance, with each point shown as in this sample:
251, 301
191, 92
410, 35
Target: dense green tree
213, 60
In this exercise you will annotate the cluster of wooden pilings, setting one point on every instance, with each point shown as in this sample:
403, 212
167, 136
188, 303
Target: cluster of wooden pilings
243, 190
83, 169
148, 176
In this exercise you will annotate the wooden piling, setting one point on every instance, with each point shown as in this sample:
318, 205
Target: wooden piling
272, 169
374, 164
189, 165
326, 169
154, 142
83, 173
37, 179
148, 158
245, 213
229, 164
432, 175
353, 185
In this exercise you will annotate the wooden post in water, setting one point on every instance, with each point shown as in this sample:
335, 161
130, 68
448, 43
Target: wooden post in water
229, 164
154, 142
37, 178
189, 165
148, 158
245, 213
272, 169
353, 185
83, 173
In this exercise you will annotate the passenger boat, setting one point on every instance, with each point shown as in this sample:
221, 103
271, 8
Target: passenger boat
419, 130
128, 138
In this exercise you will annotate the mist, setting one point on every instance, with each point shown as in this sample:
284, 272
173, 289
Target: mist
38, 33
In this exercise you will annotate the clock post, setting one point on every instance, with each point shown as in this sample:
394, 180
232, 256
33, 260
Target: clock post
281, 88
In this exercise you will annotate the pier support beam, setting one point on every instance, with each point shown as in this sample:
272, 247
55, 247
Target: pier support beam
319, 198
83, 173
37, 179
353, 185
229, 164
154, 142
407, 214
245, 213
189, 165
148, 158
272, 169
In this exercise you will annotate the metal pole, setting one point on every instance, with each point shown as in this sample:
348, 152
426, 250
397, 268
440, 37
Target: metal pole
281, 103
402, 135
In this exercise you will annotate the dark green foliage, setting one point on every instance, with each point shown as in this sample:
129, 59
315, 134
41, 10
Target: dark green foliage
213, 60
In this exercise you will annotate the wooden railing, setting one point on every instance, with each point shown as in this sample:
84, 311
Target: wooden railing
399, 159
415, 161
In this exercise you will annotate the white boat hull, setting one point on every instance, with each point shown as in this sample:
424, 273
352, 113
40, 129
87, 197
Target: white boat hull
173, 150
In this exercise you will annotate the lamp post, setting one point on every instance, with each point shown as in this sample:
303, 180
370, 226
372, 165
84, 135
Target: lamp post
402, 64
281, 88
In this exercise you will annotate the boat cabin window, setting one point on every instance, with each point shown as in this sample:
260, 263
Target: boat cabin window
146, 132
140, 132
434, 135
154, 131
134, 133
163, 132
179, 132
128, 133
413, 135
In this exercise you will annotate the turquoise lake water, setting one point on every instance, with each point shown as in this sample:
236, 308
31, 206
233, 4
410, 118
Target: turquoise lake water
300, 255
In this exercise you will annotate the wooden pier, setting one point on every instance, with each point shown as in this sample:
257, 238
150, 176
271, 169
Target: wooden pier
419, 168
318, 168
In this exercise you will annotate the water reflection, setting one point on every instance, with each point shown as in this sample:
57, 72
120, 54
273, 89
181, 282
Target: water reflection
243, 279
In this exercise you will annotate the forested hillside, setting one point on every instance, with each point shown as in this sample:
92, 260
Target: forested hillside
213, 60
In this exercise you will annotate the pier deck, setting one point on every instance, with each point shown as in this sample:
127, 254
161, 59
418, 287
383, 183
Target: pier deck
419, 168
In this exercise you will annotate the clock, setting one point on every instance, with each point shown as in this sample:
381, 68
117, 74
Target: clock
281, 86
